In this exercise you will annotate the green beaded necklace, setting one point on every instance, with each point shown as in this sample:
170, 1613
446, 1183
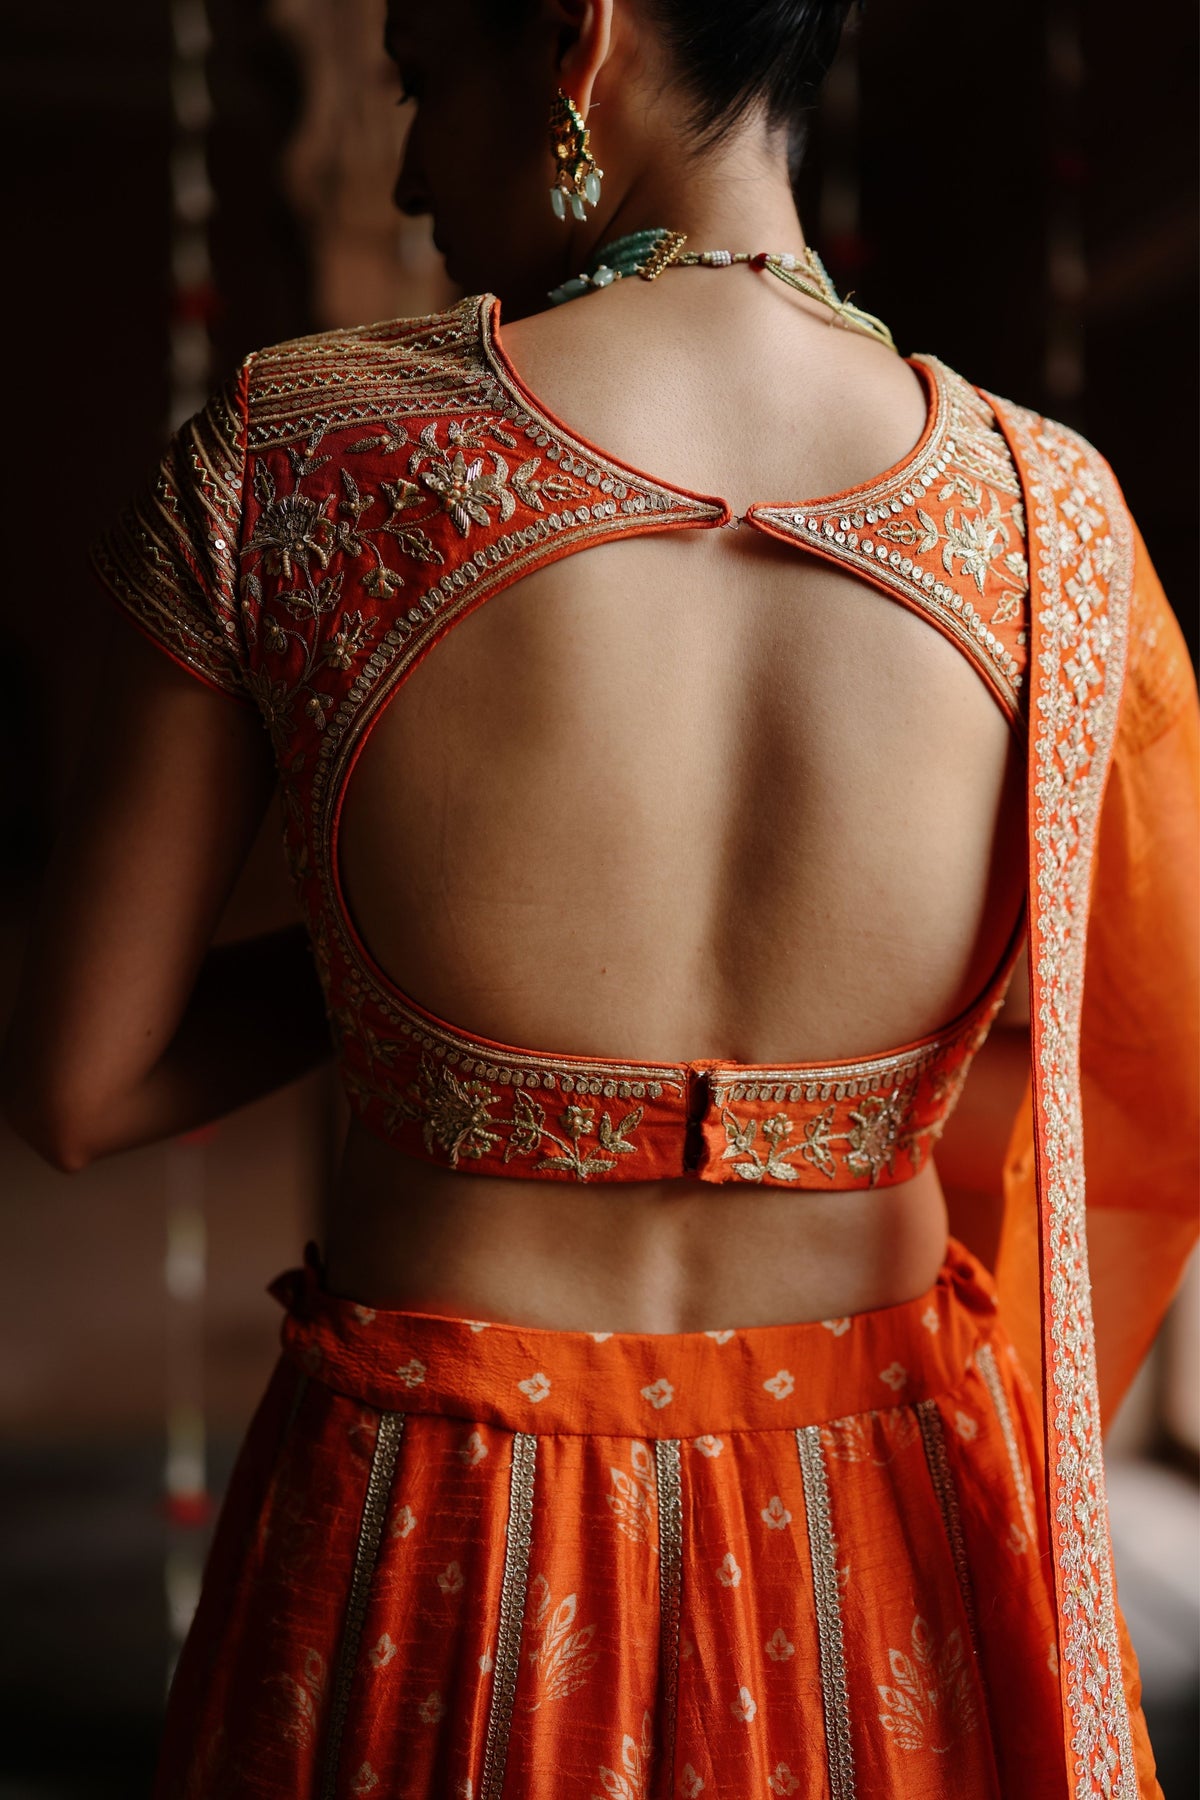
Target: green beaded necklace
648, 252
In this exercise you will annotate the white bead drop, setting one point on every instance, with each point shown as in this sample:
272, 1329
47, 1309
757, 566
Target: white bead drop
591, 187
577, 206
558, 202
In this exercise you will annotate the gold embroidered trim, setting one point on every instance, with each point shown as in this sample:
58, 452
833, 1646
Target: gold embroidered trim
833, 1081
1079, 521
368, 375
822, 1547
670, 1573
517, 1539
370, 1531
526, 1068
170, 557
892, 541
933, 1437
985, 1357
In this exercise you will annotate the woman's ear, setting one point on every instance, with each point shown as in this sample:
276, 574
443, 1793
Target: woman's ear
583, 31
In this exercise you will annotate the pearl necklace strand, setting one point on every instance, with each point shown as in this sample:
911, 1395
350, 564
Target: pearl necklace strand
647, 253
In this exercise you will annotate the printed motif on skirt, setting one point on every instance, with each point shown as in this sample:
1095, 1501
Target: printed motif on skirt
468, 1559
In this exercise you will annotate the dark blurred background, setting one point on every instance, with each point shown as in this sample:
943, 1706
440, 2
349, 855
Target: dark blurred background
1012, 188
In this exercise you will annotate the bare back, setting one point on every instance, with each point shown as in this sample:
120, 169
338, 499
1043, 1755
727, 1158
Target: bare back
684, 795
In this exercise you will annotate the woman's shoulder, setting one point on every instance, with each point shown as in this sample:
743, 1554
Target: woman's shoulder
347, 372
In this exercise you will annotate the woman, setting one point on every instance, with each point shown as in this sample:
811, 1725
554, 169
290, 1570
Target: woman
578, 1475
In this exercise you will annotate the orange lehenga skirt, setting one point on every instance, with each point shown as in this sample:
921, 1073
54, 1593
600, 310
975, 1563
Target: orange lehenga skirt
463, 1559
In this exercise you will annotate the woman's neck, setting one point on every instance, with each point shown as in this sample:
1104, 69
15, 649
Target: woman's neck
739, 199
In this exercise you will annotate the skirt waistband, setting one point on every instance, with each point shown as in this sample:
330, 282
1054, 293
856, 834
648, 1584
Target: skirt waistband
640, 1384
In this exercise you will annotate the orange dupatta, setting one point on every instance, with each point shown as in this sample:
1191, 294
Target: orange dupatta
1085, 1276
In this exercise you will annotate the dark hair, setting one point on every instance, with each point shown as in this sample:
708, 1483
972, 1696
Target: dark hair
730, 56
772, 54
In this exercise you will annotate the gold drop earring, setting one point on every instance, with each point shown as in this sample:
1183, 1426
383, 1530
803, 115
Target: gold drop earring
576, 176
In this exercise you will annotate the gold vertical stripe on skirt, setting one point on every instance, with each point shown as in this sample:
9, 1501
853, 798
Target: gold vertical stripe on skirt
985, 1356
822, 1547
670, 1573
933, 1436
513, 1584
370, 1531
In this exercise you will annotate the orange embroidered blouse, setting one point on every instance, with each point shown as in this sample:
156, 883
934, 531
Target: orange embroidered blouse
316, 531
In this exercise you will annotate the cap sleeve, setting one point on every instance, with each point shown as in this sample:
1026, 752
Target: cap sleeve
169, 558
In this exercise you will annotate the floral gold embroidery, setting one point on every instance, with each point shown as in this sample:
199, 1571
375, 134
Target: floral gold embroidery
349, 640
401, 494
466, 490
974, 539
757, 1164
381, 583
876, 1133
579, 1122
469, 433
535, 489
293, 531
456, 1114
878, 1128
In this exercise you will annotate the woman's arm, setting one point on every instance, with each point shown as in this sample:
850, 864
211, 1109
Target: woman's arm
128, 1028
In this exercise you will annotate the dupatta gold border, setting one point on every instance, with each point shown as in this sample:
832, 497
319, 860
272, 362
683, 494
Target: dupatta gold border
1081, 575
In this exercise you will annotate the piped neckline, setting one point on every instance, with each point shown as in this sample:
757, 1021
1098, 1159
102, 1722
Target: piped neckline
716, 506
